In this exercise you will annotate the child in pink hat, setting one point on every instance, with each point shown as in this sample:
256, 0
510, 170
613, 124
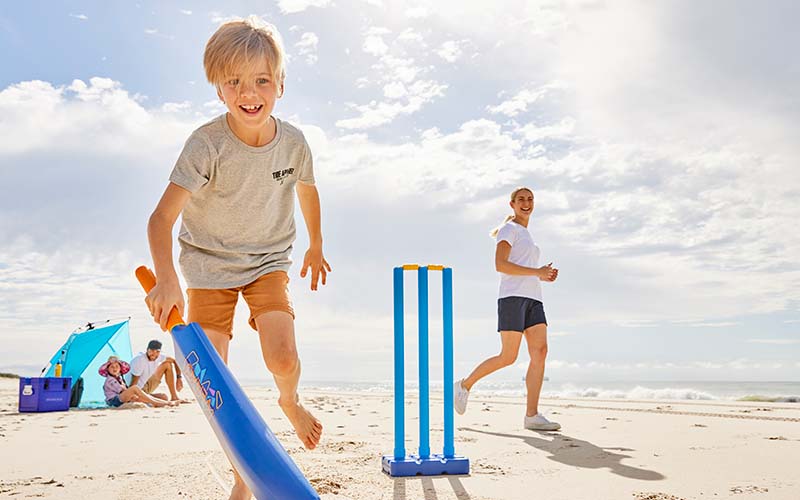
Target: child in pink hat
117, 391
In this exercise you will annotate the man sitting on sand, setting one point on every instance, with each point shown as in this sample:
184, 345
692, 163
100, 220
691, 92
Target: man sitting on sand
150, 367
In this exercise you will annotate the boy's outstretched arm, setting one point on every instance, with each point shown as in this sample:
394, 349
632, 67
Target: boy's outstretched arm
308, 197
167, 292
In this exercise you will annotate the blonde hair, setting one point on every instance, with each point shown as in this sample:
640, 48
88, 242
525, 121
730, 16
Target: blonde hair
514, 194
238, 43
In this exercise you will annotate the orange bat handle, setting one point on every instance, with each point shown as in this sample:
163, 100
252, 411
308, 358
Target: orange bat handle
148, 280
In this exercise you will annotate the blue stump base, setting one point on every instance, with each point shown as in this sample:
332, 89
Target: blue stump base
436, 465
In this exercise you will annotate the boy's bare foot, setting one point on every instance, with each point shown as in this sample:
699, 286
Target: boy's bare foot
307, 427
240, 491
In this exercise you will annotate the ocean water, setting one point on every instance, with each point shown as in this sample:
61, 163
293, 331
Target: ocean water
784, 392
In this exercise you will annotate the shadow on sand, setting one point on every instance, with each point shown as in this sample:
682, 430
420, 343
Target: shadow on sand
428, 488
578, 453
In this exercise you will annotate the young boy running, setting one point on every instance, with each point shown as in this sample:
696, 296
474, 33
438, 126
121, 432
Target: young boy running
234, 186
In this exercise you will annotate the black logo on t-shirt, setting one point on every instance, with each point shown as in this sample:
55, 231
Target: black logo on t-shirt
281, 175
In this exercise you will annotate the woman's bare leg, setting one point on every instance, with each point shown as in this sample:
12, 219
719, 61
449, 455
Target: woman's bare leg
536, 337
508, 355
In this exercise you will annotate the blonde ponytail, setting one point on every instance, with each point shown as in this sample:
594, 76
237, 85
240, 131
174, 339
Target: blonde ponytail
514, 193
496, 230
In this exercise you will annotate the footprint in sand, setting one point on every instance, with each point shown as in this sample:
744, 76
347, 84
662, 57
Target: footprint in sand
655, 496
749, 489
344, 445
484, 468
325, 485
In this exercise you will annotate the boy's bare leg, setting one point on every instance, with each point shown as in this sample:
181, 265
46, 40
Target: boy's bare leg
276, 332
221, 341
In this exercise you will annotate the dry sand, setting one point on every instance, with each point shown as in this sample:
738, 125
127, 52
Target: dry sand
611, 450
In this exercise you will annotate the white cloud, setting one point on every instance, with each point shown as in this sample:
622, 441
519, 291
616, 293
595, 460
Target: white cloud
450, 51
394, 90
521, 100
397, 69
374, 44
404, 91
295, 6
220, 18
186, 12
410, 35
562, 130
106, 112
307, 46
376, 113
437, 168
75, 286
214, 107
173, 107
82, 17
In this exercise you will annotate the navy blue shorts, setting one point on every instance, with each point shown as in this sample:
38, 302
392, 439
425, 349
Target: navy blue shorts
114, 402
517, 314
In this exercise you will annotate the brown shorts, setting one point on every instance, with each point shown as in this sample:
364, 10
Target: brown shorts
213, 308
151, 385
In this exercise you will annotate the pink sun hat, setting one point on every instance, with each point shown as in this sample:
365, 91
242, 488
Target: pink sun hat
123, 366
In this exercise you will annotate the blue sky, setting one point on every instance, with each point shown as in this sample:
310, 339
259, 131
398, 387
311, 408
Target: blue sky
660, 140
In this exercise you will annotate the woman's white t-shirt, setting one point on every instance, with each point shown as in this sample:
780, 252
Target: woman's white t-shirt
524, 252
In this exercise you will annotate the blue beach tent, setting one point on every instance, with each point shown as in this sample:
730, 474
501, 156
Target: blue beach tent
85, 351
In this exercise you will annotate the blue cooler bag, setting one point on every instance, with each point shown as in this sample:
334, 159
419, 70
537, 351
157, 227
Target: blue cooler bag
38, 394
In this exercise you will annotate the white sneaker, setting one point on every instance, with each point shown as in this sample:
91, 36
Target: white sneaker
460, 397
539, 422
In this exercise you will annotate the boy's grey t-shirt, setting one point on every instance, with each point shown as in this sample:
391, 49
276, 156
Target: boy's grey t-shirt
239, 222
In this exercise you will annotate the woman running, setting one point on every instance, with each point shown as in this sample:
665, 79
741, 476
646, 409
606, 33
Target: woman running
520, 312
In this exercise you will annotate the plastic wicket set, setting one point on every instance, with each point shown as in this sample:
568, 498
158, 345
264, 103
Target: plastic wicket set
423, 463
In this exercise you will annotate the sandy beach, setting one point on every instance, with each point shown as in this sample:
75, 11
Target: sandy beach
608, 449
